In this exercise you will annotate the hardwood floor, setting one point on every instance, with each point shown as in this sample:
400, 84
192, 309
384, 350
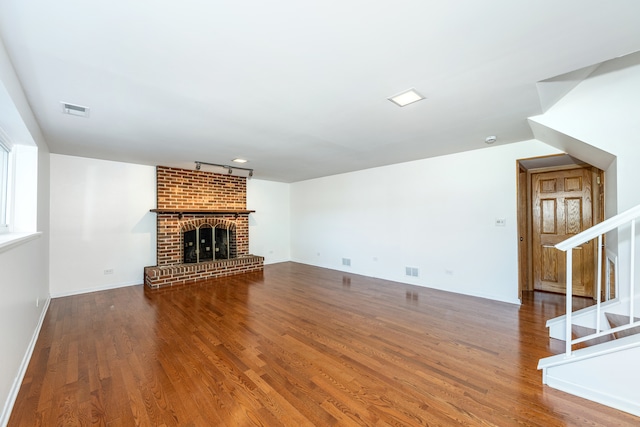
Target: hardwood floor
297, 346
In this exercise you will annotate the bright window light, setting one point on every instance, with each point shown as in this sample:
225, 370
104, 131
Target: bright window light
4, 183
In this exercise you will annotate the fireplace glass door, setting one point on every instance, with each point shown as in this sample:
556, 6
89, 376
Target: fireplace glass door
205, 250
222, 243
206, 244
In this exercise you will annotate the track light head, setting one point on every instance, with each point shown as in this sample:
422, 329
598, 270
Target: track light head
198, 166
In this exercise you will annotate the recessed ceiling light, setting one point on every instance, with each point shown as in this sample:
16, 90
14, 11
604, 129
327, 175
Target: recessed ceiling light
405, 98
239, 160
74, 110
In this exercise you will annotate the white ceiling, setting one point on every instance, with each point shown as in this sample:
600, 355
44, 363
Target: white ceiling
299, 88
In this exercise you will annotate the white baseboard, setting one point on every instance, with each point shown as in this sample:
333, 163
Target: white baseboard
499, 298
491, 297
95, 289
594, 395
17, 382
276, 261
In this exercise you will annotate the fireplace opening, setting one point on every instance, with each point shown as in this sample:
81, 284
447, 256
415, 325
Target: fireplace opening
207, 243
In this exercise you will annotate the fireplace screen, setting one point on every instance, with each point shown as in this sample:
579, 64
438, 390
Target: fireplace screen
206, 243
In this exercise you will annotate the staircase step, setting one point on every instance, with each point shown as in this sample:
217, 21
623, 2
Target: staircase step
616, 320
578, 331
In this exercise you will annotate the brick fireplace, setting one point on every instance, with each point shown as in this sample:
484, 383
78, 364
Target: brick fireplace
190, 200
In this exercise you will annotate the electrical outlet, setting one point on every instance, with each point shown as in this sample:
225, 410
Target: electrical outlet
108, 271
501, 222
346, 261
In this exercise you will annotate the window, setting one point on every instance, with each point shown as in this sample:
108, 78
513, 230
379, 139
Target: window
4, 186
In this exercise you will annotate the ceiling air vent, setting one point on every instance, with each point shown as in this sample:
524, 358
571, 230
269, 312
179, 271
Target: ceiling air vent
75, 110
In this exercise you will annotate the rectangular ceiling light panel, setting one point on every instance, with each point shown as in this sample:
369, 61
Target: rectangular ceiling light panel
405, 98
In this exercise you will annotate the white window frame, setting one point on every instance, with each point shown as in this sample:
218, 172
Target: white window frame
5, 185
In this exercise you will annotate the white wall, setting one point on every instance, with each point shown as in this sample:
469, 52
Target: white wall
603, 111
437, 215
23, 285
24, 267
100, 220
269, 231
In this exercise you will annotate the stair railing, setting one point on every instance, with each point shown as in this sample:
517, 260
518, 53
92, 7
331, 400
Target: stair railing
628, 217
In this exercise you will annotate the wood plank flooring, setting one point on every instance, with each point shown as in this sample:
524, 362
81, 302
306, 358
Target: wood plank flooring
297, 346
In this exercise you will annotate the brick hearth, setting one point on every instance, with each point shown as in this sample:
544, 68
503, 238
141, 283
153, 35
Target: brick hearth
184, 274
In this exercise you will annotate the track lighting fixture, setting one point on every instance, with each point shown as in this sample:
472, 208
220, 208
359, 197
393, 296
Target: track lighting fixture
229, 169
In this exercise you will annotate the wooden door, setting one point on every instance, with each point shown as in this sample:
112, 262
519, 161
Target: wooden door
561, 208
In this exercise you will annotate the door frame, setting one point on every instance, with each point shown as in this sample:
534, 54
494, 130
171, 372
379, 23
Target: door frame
525, 168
